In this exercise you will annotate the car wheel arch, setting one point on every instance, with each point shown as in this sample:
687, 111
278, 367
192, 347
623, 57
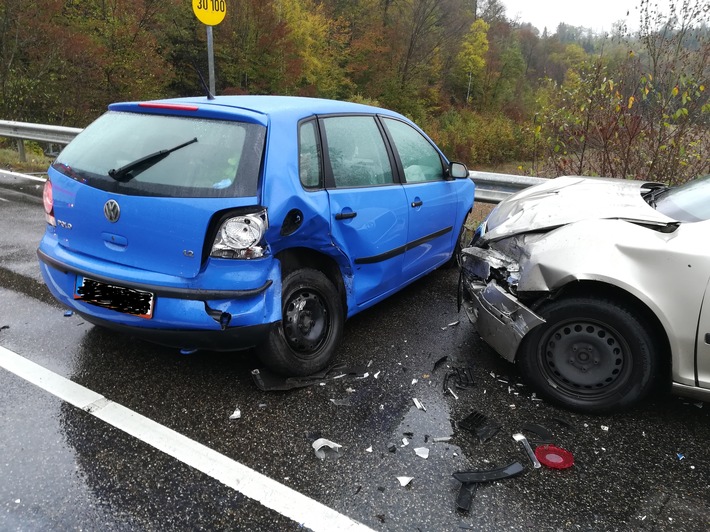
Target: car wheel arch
598, 289
292, 259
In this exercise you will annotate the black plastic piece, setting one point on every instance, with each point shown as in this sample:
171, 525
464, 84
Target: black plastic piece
269, 382
481, 425
465, 496
461, 377
511, 470
543, 435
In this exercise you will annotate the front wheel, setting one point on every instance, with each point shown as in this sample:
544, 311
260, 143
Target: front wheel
311, 325
592, 355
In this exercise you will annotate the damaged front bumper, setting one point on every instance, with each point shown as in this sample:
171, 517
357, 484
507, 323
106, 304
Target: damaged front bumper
500, 318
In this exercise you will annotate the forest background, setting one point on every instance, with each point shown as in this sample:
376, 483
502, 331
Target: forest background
489, 90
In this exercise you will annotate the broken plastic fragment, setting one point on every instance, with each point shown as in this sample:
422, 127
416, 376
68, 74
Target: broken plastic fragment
454, 324
441, 439
405, 442
680, 456
418, 404
452, 393
439, 362
422, 452
554, 457
68, 313
236, 414
369, 449
322, 442
376, 375
403, 481
479, 424
268, 381
605, 428
414, 381
340, 402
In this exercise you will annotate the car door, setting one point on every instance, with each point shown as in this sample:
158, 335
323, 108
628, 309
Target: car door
702, 355
431, 200
368, 208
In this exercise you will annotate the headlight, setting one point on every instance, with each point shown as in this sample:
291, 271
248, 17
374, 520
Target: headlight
240, 237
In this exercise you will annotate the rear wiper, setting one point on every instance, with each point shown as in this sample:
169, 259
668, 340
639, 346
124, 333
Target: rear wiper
131, 170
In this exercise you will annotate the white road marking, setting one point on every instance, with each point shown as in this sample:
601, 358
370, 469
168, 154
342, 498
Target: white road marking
3, 199
22, 176
268, 492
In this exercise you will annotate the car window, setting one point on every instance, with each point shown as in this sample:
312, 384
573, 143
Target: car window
224, 161
689, 202
309, 164
357, 152
420, 160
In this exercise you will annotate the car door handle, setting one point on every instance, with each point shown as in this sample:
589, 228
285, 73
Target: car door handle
417, 203
345, 215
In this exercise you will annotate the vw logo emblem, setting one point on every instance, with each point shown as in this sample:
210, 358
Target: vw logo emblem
112, 211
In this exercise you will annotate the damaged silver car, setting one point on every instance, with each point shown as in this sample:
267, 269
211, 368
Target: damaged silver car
597, 289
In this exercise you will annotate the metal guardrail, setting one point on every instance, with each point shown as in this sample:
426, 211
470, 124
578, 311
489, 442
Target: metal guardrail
490, 187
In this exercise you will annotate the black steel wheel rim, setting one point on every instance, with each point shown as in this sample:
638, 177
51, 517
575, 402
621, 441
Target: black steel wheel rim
306, 321
585, 358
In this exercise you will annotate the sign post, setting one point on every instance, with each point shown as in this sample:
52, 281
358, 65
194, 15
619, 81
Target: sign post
210, 13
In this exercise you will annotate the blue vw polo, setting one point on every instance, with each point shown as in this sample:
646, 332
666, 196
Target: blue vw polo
247, 221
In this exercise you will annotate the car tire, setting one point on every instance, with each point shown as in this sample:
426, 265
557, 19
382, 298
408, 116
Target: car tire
311, 326
592, 355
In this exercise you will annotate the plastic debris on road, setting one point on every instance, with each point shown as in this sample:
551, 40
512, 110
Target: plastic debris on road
418, 404
554, 457
422, 452
320, 443
236, 414
403, 481
369, 449
68, 313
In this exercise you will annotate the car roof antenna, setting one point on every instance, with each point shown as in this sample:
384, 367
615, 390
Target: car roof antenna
210, 96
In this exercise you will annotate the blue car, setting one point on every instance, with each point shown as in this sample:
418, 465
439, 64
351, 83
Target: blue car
247, 221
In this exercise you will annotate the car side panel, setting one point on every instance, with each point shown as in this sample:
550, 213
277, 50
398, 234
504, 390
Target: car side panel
666, 271
703, 343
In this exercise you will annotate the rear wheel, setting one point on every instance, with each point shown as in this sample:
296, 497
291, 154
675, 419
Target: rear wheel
592, 355
311, 325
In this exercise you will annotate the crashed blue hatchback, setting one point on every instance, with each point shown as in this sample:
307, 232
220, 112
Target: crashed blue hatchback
247, 221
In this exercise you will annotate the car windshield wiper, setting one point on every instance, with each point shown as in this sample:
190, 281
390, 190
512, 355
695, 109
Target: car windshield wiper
131, 170
652, 195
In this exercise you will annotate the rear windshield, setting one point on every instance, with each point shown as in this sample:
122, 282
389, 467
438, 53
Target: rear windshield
223, 161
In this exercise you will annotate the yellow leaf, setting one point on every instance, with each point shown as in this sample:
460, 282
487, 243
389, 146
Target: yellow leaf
631, 101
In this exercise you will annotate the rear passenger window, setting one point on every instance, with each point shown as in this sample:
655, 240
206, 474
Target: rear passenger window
420, 160
309, 155
357, 152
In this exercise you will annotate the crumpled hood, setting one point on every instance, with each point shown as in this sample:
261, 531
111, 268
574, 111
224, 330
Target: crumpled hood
570, 199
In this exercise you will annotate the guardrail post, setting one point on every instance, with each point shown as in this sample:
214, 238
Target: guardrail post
21, 150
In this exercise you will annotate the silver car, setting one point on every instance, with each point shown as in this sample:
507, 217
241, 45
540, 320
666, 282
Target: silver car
597, 289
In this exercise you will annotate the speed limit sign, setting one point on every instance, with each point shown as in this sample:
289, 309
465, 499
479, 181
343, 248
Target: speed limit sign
210, 12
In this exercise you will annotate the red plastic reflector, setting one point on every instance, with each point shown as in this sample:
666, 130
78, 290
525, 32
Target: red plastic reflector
172, 106
554, 457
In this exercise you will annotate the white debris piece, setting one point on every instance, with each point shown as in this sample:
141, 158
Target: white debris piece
605, 428
350, 390
322, 442
369, 363
369, 449
236, 414
452, 393
441, 439
403, 481
377, 375
414, 381
418, 404
423, 452
454, 323
405, 442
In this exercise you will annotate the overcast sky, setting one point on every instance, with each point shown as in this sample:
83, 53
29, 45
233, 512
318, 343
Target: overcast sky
596, 14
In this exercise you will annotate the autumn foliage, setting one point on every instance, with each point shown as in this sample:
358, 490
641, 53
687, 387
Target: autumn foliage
490, 90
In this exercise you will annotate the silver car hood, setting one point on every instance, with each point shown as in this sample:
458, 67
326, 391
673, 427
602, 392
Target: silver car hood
565, 200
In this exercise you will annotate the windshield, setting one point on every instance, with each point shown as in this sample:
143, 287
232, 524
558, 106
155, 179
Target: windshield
687, 203
224, 161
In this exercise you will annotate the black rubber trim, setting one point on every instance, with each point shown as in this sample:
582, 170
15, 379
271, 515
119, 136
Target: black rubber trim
402, 249
508, 471
192, 294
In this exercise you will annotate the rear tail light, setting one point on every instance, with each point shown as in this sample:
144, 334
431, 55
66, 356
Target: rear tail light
48, 200
241, 237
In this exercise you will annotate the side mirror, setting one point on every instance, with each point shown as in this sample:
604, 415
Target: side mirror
458, 171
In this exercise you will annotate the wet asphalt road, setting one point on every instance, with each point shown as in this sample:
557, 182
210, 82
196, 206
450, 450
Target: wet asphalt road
62, 469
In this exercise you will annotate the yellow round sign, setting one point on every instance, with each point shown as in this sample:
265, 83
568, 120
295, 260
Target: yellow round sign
210, 12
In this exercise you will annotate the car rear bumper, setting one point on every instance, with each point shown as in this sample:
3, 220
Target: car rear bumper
200, 313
